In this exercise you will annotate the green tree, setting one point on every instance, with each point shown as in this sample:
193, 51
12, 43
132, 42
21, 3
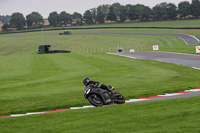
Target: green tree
53, 19
171, 11
116, 8
122, 14
194, 8
65, 18
147, 13
105, 9
69, 18
5, 19
5, 27
17, 20
34, 19
77, 17
37, 18
130, 9
29, 22
184, 8
94, 14
100, 15
88, 17
139, 11
111, 14
160, 11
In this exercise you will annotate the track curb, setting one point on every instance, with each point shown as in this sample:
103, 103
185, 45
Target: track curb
90, 106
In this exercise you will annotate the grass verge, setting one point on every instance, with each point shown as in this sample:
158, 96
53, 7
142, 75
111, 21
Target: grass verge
177, 115
53, 81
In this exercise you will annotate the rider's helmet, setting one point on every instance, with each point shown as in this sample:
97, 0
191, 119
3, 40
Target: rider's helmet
86, 81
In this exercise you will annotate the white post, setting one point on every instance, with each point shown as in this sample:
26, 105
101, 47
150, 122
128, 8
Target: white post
43, 36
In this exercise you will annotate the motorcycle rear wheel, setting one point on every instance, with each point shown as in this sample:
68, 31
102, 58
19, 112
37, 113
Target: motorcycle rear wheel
95, 100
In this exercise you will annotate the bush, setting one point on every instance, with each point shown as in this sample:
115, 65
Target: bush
5, 27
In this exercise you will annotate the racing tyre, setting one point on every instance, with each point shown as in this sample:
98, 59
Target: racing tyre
119, 99
95, 100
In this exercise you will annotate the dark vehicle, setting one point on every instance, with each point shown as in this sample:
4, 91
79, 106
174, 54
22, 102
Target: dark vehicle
100, 97
66, 33
45, 49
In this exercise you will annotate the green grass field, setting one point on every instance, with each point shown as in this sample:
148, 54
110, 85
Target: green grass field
44, 82
27, 43
32, 83
155, 116
192, 23
172, 23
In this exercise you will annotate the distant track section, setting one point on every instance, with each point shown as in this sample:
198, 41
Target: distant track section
189, 40
190, 60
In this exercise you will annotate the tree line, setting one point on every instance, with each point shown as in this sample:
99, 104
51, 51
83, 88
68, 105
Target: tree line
5, 19
115, 13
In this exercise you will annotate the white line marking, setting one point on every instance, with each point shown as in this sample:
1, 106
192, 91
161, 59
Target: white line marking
196, 68
17, 115
79, 107
194, 37
88, 106
167, 95
35, 113
174, 94
121, 55
135, 100
195, 90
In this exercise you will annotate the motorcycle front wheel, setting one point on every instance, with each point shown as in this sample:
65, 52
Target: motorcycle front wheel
95, 100
119, 99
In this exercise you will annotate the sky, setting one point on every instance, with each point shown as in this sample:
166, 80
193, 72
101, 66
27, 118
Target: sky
45, 7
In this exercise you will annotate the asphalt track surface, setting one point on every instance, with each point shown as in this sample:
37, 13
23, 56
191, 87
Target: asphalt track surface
169, 57
190, 60
191, 94
189, 40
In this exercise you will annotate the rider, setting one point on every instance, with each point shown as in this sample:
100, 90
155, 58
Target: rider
95, 84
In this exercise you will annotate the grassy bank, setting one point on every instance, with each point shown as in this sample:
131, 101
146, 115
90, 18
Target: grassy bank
45, 82
27, 43
154, 116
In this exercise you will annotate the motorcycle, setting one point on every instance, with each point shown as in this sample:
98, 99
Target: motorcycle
99, 97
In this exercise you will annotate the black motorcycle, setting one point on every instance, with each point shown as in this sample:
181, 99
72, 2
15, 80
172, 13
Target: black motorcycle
100, 97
